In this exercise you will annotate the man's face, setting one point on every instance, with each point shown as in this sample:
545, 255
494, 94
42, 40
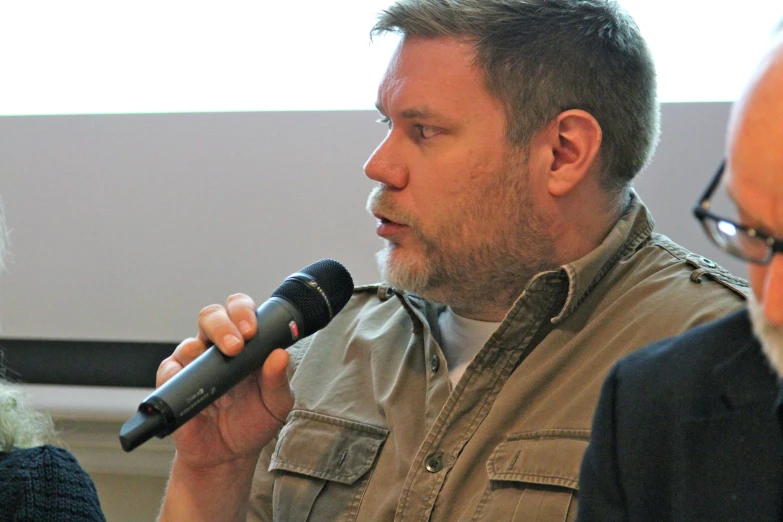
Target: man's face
454, 201
755, 183
754, 176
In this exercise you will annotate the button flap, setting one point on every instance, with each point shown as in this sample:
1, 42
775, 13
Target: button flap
716, 272
547, 457
327, 447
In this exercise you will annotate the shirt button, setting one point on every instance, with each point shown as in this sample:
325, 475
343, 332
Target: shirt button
385, 293
434, 363
434, 462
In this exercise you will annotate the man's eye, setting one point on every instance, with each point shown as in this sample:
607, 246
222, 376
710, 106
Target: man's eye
425, 132
385, 121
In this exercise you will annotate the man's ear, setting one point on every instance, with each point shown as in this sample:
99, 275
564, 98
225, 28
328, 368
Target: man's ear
573, 139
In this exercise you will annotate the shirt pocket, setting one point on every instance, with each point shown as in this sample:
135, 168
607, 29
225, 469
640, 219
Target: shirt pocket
534, 477
322, 465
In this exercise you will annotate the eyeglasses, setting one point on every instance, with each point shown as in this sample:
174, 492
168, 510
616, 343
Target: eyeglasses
738, 240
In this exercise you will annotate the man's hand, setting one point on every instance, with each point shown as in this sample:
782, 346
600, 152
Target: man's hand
219, 447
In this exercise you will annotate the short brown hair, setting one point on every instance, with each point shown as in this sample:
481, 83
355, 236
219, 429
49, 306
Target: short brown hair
542, 57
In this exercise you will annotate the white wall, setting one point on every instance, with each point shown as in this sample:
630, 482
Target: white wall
123, 227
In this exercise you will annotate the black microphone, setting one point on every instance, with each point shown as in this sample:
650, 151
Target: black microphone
303, 304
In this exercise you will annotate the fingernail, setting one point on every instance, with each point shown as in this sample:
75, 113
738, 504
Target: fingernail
231, 341
244, 327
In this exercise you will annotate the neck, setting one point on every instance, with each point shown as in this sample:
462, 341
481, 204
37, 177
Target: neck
490, 312
582, 224
491, 297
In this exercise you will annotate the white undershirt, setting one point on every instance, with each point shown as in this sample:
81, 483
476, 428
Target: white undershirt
461, 339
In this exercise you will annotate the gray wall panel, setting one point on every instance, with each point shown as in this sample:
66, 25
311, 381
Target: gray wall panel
123, 226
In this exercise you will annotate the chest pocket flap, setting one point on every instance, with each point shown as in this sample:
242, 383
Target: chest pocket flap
546, 458
535, 476
327, 447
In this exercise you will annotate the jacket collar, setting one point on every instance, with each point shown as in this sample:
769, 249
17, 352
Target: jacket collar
631, 230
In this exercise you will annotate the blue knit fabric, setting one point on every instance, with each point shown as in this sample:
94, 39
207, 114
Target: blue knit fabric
46, 483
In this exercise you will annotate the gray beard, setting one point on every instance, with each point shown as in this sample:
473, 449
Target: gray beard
769, 336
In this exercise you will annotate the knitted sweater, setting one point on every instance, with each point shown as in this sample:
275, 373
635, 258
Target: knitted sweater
46, 483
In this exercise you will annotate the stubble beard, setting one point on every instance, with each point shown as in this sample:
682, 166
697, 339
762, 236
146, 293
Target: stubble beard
769, 336
483, 259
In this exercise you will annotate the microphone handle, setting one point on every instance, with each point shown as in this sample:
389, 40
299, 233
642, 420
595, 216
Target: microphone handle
211, 375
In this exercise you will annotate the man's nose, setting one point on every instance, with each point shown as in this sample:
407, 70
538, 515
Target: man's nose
386, 164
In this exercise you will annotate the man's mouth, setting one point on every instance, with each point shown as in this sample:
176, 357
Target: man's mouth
387, 227
383, 219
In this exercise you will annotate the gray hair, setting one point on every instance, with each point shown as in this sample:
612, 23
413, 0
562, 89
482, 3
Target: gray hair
543, 57
20, 425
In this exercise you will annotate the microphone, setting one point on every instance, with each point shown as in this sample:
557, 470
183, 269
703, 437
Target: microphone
303, 304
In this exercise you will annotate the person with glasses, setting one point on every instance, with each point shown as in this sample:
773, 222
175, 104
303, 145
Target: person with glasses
691, 428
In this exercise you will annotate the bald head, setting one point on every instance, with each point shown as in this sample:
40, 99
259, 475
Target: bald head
755, 142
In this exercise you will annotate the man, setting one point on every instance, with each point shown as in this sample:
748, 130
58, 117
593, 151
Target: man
690, 428
518, 266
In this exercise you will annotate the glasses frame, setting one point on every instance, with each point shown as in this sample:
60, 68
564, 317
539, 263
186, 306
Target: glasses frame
703, 214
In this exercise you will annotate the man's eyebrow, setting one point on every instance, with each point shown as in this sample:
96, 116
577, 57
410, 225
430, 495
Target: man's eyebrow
420, 114
423, 114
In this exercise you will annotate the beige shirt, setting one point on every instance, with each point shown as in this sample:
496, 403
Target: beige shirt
377, 434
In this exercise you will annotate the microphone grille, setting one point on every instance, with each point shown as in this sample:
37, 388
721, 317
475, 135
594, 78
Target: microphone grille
319, 291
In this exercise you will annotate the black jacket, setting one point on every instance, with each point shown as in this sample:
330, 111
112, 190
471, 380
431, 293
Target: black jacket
688, 429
